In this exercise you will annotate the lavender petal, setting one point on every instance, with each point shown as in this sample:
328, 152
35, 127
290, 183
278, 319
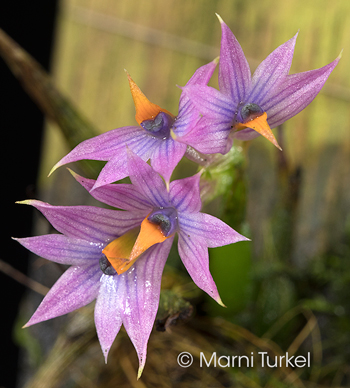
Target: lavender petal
194, 255
185, 194
62, 249
88, 222
234, 71
76, 288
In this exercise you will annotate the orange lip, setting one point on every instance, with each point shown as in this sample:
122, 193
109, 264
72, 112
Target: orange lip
145, 109
260, 125
126, 249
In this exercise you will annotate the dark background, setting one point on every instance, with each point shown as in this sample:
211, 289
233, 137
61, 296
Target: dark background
31, 24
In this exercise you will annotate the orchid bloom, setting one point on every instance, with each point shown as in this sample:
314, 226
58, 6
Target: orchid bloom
117, 256
160, 136
250, 106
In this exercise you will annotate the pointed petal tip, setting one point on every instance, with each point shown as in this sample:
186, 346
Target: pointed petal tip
105, 354
139, 373
340, 54
219, 301
28, 324
216, 60
220, 18
53, 169
25, 202
75, 175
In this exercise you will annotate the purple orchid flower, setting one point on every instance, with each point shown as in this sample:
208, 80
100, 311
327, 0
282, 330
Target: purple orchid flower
160, 136
250, 106
117, 256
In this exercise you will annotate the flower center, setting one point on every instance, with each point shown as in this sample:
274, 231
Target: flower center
248, 112
106, 266
122, 252
166, 219
250, 115
159, 126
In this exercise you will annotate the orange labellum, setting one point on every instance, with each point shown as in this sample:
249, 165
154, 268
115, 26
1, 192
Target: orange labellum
126, 249
145, 109
260, 125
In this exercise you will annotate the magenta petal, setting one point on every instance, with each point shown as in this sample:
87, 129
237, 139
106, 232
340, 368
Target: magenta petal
214, 231
62, 249
271, 72
194, 255
102, 147
122, 196
88, 222
211, 103
166, 157
295, 93
108, 315
188, 114
117, 167
141, 286
184, 194
209, 136
234, 71
147, 181
76, 288
203, 74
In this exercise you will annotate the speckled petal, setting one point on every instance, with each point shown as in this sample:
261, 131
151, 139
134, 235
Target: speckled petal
62, 249
295, 93
209, 136
147, 181
271, 72
122, 196
166, 157
76, 288
184, 194
194, 255
214, 231
211, 103
234, 71
108, 315
102, 147
88, 222
116, 168
188, 115
141, 296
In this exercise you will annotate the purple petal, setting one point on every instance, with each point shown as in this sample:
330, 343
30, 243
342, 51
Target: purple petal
234, 71
209, 136
188, 114
295, 93
108, 315
211, 103
122, 196
271, 72
102, 147
76, 288
117, 167
214, 231
185, 194
62, 249
87, 222
246, 134
166, 157
187, 118
194, 254
147, 181
203, 74
141, 296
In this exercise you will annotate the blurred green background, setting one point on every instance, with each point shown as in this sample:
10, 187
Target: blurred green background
287, 289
